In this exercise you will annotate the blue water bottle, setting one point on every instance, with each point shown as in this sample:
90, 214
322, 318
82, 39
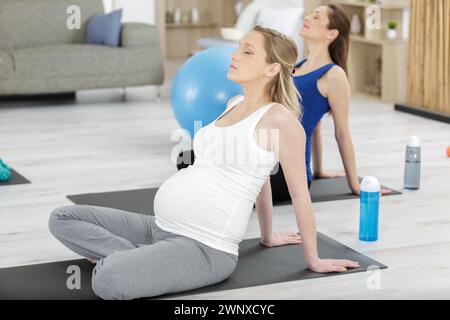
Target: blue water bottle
369, 206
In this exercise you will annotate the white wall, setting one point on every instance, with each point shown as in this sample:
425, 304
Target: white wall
133, 10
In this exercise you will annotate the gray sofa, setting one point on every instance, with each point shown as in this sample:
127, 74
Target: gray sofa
39, 54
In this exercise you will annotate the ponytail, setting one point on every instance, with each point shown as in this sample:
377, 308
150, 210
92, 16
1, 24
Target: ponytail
339, 48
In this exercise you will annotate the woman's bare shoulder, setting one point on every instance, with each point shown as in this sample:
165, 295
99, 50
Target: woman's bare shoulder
280, 117
336, 74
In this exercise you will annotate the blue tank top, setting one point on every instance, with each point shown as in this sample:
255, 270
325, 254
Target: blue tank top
314, 106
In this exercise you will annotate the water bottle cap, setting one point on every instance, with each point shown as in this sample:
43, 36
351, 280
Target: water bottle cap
414, 142
370, 184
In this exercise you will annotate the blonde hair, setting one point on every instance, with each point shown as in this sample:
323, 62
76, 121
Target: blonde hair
283, 50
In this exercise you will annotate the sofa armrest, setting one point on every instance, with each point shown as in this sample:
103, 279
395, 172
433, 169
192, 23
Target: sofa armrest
139, 34
6, 65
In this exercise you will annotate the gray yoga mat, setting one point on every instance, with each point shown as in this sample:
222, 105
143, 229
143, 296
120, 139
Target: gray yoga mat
141, 200
16, 178
258, 265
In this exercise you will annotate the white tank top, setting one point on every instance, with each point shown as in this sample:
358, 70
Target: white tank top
211, 201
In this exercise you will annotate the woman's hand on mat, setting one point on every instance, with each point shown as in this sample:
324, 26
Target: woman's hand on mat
282, 239
329, 174
356, 190
384, 192
340, 174
330, 265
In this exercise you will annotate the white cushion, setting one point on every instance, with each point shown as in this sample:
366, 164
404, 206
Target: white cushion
284, 20
247, 19
287, 20
283, 15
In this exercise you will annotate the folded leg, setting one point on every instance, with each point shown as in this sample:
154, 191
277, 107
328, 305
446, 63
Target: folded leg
96, 232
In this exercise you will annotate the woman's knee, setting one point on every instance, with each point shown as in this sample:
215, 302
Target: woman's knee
57, 216
110, 280
106, 282
121, 276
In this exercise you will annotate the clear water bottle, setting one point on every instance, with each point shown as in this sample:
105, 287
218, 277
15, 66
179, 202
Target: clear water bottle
412, 164
369, 206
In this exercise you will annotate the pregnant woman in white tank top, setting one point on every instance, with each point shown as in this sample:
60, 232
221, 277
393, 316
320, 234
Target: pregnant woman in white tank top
201, 213
236, 153
217, 193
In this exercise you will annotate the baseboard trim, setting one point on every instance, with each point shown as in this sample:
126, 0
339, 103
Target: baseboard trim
39, 97
437, 116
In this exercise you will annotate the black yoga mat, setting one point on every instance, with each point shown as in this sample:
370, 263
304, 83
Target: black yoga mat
141, 200
16, 178
321, 189
336, 189
138, 201
258, 265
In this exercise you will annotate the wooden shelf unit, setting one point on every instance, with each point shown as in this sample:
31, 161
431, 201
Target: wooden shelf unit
389, 4
180, 40
377, 65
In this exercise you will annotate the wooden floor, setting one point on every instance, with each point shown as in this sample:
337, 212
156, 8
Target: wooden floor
101, 143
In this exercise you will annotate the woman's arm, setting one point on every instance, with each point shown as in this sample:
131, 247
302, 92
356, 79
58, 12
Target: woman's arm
316, 144
290, 148
339, 96
264, 209
339, 99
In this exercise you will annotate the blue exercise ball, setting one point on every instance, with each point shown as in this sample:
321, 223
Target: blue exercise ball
201, 89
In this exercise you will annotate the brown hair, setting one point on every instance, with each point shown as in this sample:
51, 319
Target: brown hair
338, 49
283, 50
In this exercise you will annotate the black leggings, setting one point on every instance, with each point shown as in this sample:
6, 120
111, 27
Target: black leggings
280, 191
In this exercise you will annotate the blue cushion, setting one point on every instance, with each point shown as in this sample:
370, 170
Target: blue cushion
104, 29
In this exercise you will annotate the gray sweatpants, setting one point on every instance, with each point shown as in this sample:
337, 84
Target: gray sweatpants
136, 258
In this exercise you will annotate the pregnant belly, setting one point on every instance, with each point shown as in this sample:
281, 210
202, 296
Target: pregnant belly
190, 198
